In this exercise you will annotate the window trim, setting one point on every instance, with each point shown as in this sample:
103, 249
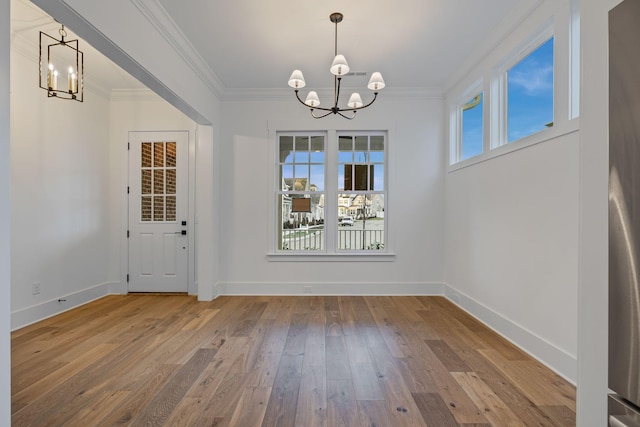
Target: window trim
499, 103
276, 128
456, 123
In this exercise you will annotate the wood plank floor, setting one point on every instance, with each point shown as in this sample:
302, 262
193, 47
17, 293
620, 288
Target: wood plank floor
277, 361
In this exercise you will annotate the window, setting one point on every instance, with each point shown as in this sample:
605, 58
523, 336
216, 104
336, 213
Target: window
341, 213
520, 96
530, 93
360, 192
301, 165
472, 128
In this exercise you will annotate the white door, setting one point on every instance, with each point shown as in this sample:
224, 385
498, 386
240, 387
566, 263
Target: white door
158, 207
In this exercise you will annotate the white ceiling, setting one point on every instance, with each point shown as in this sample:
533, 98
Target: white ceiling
253, 44
414, 43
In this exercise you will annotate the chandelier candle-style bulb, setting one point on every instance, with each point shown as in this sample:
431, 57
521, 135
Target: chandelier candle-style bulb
312, 99
339, 67
54, 82
355, 101
50, 76
70, 76
296, 80
376, 82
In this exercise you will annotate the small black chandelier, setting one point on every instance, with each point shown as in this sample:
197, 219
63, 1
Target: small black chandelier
57, 57
339, 68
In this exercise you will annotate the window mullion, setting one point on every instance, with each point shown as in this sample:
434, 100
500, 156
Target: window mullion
331, 191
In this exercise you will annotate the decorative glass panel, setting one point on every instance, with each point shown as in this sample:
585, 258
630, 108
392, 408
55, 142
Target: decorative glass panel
171, 154
146, 155
158, 208
158, 181
158, 178
171, 181
145, 205
171, 208
158, 154
146, 181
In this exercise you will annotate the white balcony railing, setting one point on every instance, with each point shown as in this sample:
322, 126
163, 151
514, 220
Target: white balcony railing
352, 239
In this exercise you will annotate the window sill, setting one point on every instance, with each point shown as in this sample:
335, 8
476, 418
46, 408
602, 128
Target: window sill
557, 131
325, 257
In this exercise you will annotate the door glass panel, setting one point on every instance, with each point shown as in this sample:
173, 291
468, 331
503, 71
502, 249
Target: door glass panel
145, 204
158, 208
171, 154
146, 155
158, 178
158, 154
146, 181
158, 181
171, 208
171, 181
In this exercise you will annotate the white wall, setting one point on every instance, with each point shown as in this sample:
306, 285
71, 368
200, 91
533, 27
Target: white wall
5, 223
415, 198
59, 195
512, 240
139, 111
511, 228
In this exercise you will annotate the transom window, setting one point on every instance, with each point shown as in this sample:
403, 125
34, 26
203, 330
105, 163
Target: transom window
530, 93
520, 96
472, 127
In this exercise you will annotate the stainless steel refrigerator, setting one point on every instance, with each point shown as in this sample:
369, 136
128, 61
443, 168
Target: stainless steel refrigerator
624, 214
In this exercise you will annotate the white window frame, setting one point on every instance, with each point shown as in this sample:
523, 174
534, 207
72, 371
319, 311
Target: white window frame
499, 105
330, 253
455, 121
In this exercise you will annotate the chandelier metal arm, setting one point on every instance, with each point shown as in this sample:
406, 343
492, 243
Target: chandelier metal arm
324, 115
335, 110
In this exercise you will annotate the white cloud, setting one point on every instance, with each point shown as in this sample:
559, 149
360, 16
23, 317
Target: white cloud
534, 80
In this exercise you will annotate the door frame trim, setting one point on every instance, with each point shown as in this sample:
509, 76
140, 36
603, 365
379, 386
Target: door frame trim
192, 288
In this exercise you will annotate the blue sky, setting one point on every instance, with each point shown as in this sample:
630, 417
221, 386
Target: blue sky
530, 101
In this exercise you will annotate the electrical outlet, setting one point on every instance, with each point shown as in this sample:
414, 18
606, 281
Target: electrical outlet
307, 290
35, 288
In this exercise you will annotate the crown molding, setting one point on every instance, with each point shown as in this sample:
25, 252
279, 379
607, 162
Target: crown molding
153, 11
138, 94
257, 94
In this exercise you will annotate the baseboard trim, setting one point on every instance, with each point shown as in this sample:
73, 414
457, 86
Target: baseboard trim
556, 359
331, 288
35, 313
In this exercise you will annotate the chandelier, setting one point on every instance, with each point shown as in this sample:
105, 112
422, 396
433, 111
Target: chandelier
339, 68
57, 57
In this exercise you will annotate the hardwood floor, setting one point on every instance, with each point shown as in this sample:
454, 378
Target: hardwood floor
277, 361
